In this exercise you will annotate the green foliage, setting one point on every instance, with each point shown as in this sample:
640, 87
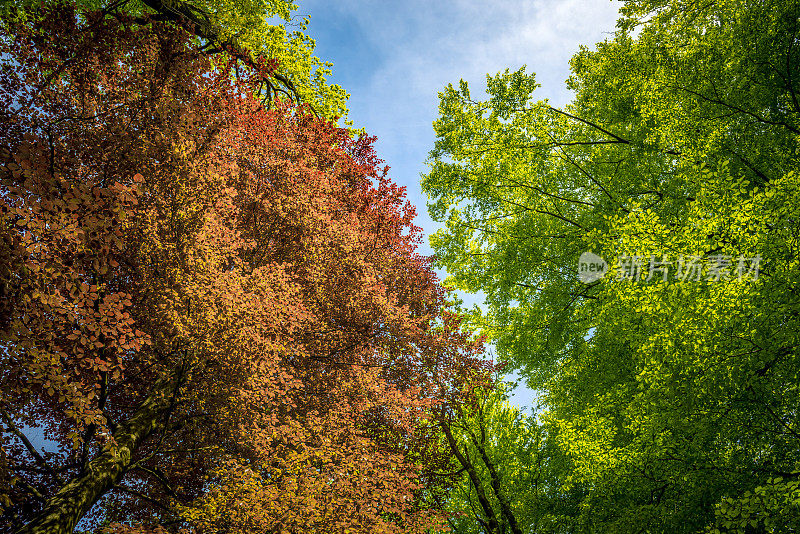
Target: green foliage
771, 507
672, 399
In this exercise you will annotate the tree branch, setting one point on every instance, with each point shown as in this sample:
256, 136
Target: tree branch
142, 496
158, 475
493, 525
505, 506
204, 27
28, 445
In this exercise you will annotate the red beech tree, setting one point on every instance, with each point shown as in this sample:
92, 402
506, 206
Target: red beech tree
216, 311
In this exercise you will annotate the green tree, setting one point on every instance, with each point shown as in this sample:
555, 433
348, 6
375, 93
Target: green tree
507, 470
675, 399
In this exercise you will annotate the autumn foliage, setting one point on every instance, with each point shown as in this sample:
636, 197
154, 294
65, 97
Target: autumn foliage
217, 311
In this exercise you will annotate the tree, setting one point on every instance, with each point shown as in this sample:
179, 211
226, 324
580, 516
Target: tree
215, 309
507, 470
675, 399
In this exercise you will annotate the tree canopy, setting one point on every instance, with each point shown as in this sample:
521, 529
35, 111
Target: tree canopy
670, 386
216, 310
212, 300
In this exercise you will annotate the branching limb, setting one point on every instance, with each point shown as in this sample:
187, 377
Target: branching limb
142, 496
158, 475
492, 523
28, 445
205, 28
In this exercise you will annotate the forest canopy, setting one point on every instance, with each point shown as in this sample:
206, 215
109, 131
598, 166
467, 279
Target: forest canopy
214, 306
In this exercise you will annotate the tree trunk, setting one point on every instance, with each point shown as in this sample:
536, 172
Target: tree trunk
64, 509
492, 525
505, 506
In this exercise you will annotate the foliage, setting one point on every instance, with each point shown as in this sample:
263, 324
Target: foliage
676, 400
246, 29
216, 310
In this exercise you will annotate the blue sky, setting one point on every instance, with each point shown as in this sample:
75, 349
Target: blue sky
394, 57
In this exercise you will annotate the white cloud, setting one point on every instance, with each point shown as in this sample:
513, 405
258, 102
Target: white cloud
426, 45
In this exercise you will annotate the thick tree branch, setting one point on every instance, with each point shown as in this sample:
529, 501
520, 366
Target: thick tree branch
492, 524
28, 445
30, 488
205, 28
721, 102
93, 427
63, 511
505, 506
617, 138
